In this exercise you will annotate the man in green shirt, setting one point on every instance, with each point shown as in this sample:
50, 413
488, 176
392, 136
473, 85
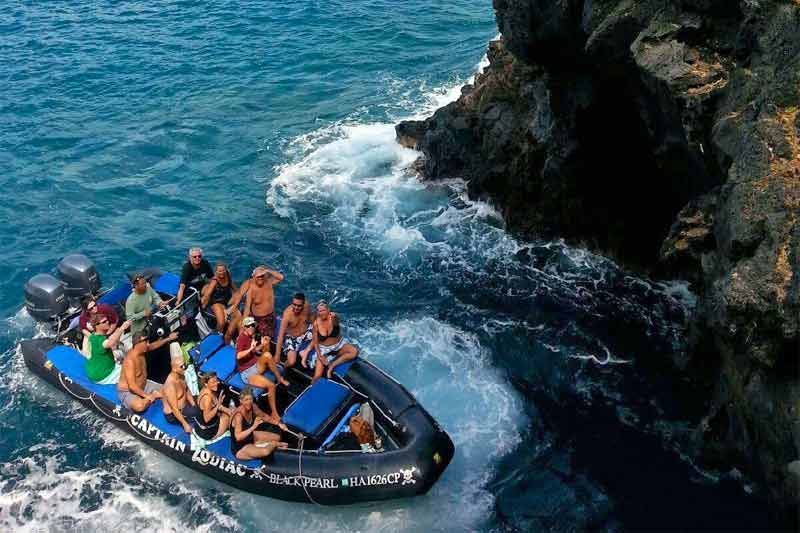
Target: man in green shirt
139, 305
101, 367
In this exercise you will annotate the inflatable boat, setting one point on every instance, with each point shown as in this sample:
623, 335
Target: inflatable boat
415, 449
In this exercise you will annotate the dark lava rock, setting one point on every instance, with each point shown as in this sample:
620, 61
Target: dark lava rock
666, 135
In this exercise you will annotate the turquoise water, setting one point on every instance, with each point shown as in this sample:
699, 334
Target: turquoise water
130, 131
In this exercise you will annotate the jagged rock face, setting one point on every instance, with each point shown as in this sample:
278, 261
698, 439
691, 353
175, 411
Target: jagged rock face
666, 134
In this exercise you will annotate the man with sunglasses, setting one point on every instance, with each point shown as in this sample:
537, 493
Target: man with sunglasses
295, 331
91, 308
260, 300
101, 367
179, 404
196, 272
253, 360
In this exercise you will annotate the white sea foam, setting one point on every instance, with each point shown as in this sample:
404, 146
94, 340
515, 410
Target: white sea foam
39, 494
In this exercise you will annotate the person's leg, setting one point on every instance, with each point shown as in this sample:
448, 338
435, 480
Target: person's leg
261, 382
219, 315
233, 325
224, 424
266, 436
251, 451
266, 362
139, 405
348, 352
319, 368
291, 358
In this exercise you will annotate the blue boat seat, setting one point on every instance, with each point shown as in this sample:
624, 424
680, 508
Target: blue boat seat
72, 363
341, 425
168, 283
118, 295
316, 406
224, 364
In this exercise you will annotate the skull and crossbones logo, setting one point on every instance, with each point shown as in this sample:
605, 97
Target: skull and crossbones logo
408, 475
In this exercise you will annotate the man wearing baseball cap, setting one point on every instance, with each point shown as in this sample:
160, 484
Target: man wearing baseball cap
139, 305
253, 360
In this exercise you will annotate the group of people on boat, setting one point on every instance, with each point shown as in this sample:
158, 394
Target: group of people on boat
255, 434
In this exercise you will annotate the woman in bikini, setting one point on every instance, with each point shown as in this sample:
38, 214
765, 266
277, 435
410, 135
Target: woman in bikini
253, 437
331, 347
217, 295
215, 418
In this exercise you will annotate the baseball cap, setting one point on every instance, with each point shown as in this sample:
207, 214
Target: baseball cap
249, 321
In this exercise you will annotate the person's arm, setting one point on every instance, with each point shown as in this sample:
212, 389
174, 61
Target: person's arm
276, 276
281, 334
247, 351
154, 297
238, 433
113, 339
248, 302
161, 342
171, 398
238, 295
179, 296
207, 290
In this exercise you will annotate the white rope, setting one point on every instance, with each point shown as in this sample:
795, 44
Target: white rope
300, 471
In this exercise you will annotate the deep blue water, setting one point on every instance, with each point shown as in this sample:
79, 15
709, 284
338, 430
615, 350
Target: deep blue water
263, 131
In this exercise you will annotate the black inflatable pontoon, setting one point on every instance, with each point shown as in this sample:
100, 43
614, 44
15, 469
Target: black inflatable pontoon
416, 449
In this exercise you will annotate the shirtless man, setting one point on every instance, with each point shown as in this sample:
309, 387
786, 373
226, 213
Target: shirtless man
260, 301
134, 390
295, 330
178, 401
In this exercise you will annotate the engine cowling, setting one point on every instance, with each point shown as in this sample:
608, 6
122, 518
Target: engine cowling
45, 298
79, 275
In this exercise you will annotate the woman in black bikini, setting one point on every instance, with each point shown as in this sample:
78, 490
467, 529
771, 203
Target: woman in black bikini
253, 438
215, 418
218, 294
331, 347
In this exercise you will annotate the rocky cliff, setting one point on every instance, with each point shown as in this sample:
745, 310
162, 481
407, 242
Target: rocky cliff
667, 135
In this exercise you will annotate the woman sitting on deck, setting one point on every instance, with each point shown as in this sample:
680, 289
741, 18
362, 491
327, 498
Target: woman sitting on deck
215, 418
253, 437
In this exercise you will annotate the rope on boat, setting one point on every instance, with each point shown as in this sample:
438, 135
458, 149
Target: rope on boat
300, 469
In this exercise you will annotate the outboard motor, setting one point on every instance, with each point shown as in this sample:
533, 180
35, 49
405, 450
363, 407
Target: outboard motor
45, 298
79, 276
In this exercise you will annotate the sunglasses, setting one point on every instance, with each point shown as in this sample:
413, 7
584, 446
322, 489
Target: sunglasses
250, 326
104, 321
260, 276
197, 257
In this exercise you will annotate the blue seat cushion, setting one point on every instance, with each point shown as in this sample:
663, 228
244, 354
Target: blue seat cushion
341, 425
167, 283
316, 405
70, 362
224, 364
118, 295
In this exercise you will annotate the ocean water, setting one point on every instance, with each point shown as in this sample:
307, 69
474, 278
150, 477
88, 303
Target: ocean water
263, 131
